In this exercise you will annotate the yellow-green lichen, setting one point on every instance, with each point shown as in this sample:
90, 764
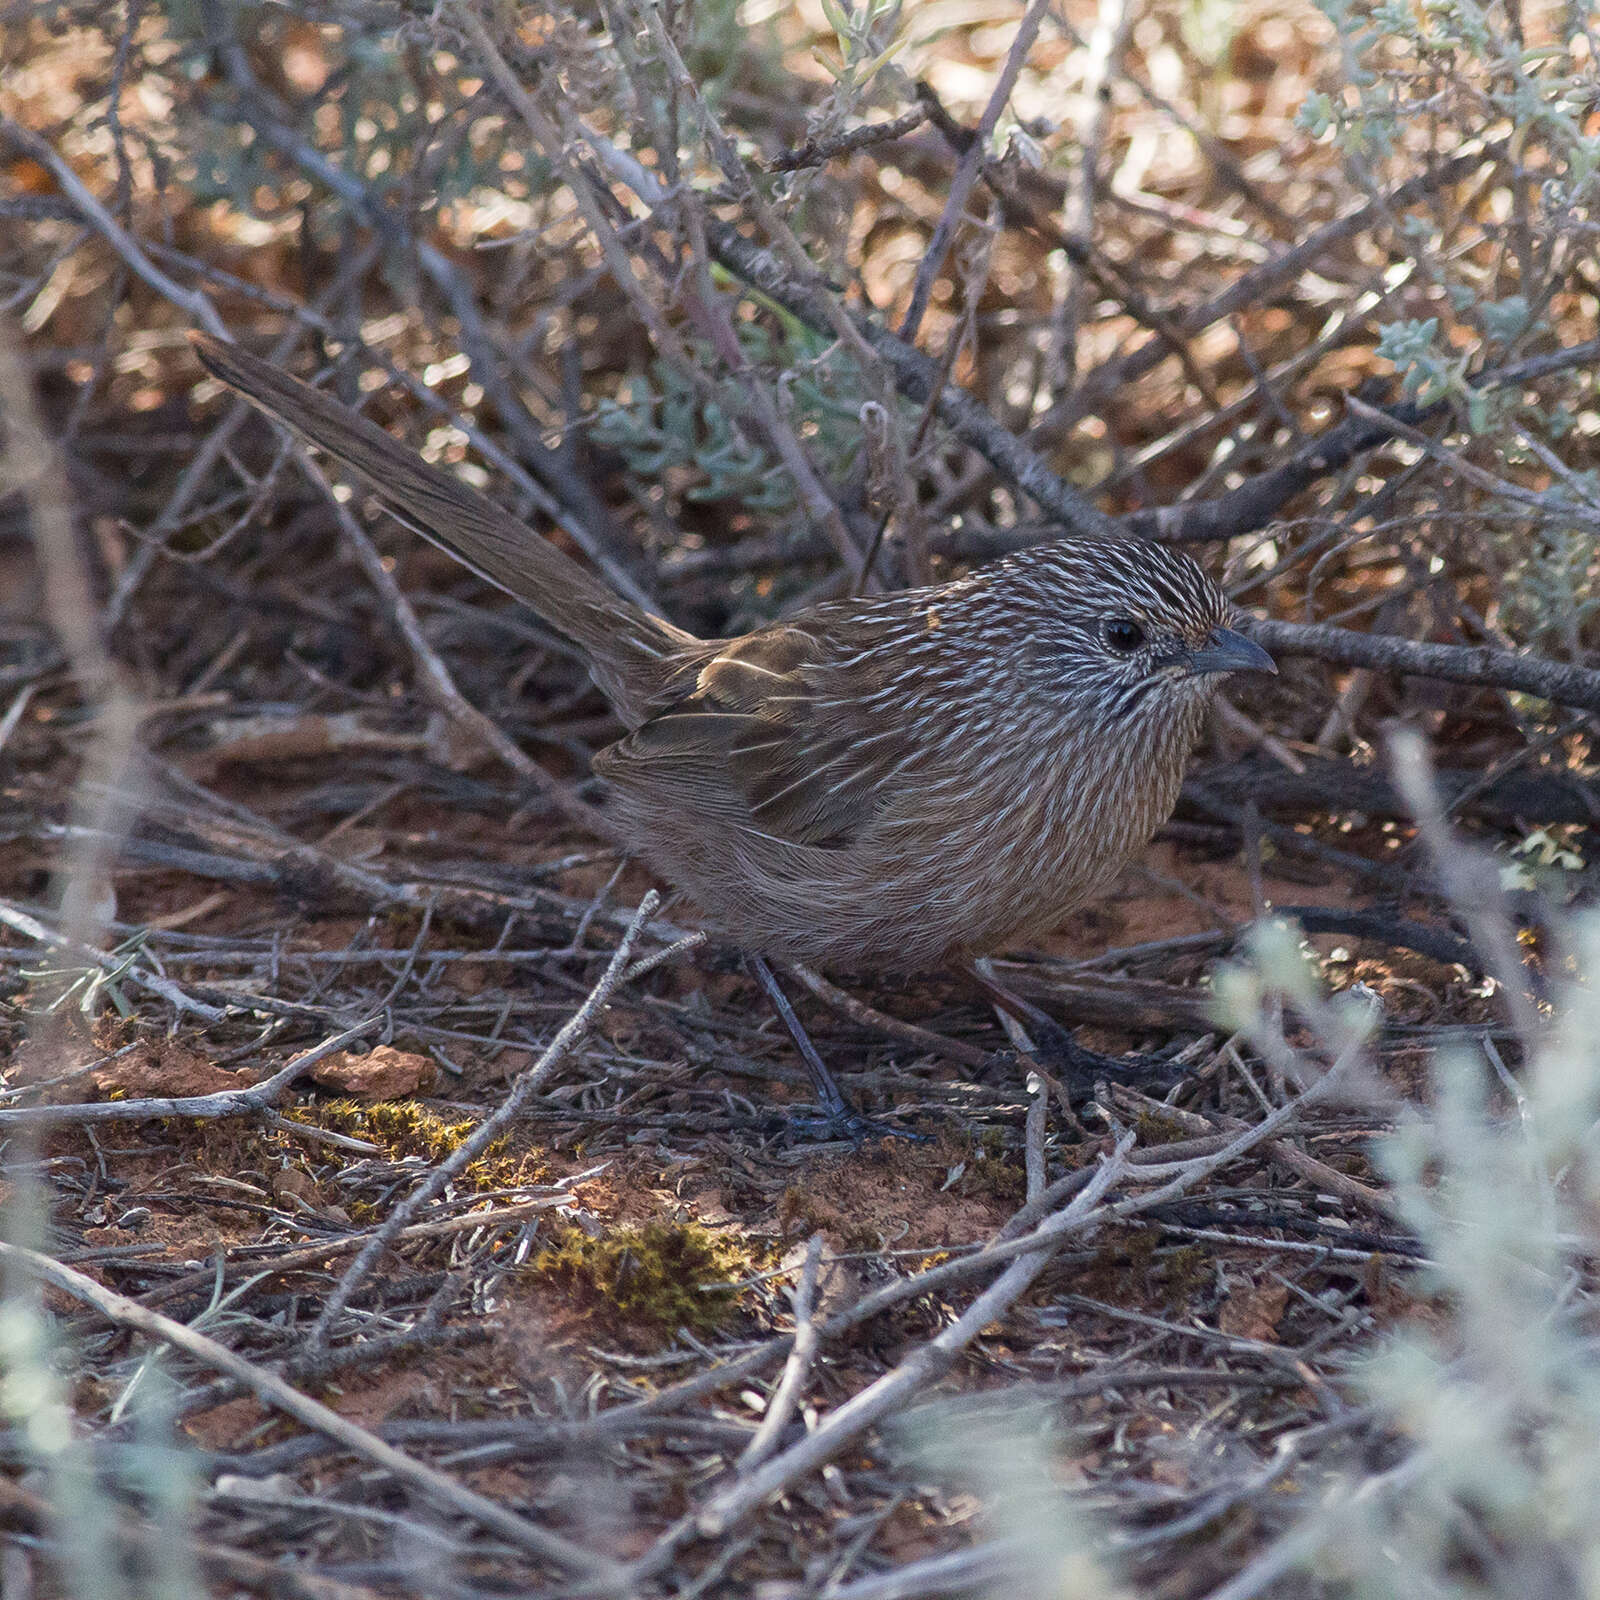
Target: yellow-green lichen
659, 1277
1155, 1129
405, 1128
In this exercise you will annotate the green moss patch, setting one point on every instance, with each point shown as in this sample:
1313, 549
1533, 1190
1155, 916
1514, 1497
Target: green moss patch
658, 1278
405, 1128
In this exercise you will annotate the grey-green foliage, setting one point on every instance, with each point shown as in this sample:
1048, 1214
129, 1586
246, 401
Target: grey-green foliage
157, 1470
663, 422
1458, 70
1419, 83
1493, 1399
867, 37
34, 1403
1488, 1486
723, 52
1485, 1408
1551, 593
1007, 1452
384, 122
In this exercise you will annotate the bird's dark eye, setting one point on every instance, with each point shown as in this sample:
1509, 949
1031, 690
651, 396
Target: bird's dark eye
1123, 634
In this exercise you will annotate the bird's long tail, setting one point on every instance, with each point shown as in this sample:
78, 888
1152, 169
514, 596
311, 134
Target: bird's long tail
631, 652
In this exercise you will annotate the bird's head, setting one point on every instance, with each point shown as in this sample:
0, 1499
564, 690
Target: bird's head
1128, 629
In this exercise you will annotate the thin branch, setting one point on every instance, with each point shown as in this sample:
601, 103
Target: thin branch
1253, 287
918, 377
815, 152
1257, 500
110, 965
271, 1390
571, 1033
434, 677
191, 301
970, 168
201, 1107
926, 1365
786, 1396
29, 1514
1478, 665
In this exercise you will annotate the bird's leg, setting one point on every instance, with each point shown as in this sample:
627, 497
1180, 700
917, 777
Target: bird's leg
1077, 1065
838, 1115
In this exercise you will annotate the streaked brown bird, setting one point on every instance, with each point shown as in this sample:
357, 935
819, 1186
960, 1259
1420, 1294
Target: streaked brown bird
887, 783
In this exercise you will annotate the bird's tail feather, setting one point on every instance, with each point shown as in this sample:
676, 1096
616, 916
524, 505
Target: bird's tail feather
630, 651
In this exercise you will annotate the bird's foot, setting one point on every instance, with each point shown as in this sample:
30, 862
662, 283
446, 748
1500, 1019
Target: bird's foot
1060, 1054
1080, 1068
843, 1121
839, 1119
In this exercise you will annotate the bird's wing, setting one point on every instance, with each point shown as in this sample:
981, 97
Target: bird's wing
782, 731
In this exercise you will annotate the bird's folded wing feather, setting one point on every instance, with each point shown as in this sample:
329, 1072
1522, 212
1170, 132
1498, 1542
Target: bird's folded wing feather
807, 764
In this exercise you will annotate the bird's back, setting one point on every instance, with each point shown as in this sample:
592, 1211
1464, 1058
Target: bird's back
888, 784
876, 783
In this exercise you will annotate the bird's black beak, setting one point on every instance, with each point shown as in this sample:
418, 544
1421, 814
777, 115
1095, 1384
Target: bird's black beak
1227, 650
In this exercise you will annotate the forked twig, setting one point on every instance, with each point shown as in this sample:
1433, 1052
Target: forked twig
922, 1367
487, 1131
202, 1107
271, 1390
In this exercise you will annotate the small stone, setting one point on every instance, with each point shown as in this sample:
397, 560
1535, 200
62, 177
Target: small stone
383, 1073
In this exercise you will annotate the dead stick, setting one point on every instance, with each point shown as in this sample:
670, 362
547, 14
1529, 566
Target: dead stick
271, 1390
225, 1103
488, 1130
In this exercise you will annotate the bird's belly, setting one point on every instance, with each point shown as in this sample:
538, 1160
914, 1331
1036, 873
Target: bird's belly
895, 904
964, 896
954, 875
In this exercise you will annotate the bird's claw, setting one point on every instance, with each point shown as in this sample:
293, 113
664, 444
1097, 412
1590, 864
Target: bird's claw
1058, 1052
843, 1121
